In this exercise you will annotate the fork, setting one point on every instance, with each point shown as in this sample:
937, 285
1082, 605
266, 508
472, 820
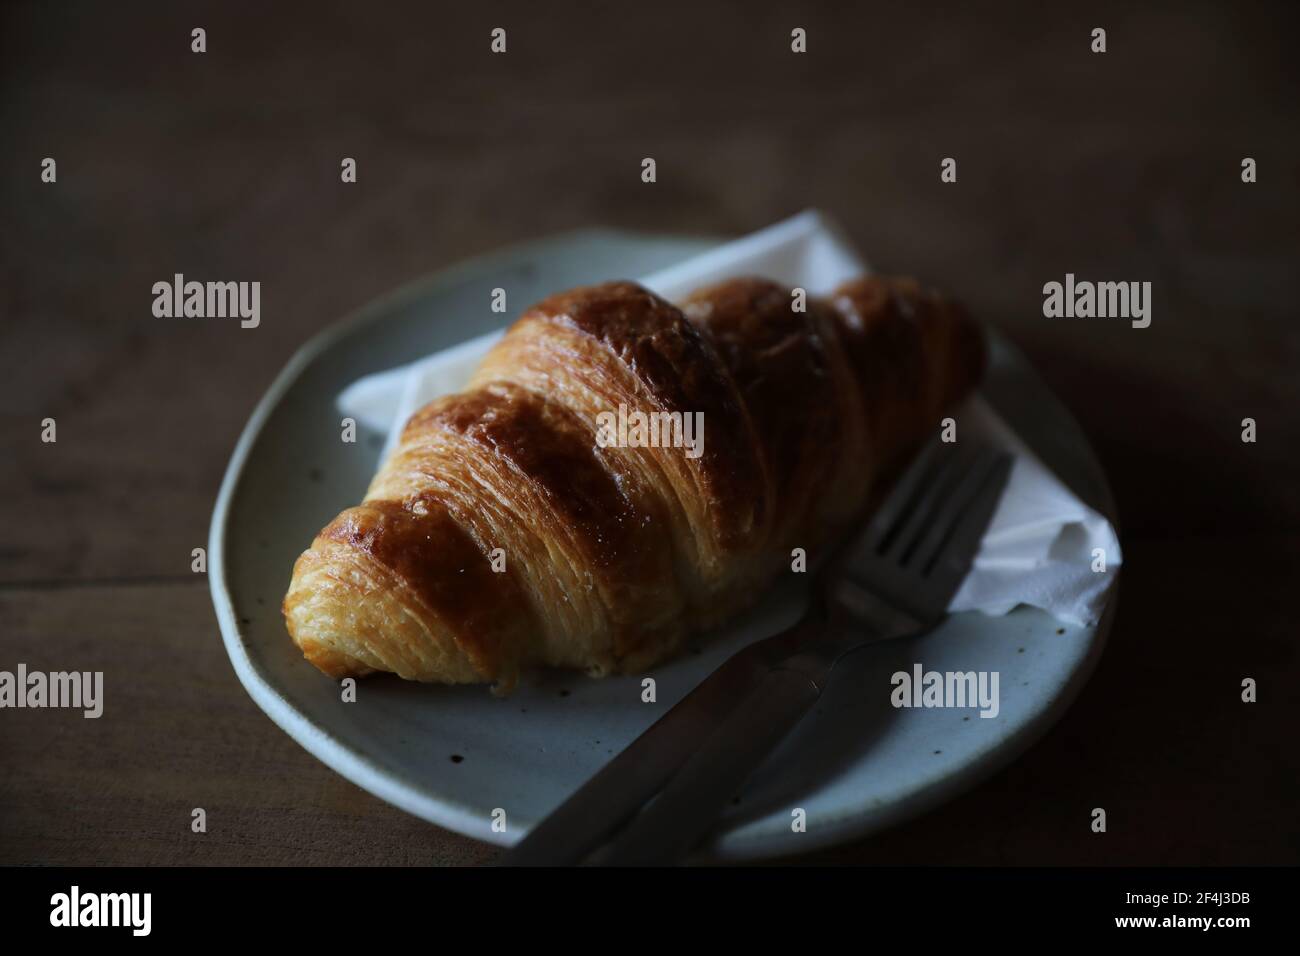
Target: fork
894, 579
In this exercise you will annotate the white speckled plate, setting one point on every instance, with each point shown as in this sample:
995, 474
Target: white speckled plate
453, 755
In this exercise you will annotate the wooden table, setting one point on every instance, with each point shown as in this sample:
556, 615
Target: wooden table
1120, 166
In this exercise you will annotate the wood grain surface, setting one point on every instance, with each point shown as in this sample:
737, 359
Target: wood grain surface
1122, 166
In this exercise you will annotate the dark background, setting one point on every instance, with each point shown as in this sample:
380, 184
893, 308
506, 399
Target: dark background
1122, 166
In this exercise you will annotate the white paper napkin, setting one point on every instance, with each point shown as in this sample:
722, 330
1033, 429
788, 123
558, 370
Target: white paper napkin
1041, 546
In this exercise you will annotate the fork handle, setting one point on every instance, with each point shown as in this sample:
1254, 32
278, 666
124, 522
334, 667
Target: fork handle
690, 805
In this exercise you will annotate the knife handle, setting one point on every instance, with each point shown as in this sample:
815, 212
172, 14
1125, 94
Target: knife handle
694, 799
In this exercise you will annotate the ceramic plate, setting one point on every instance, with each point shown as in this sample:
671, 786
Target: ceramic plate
453, 756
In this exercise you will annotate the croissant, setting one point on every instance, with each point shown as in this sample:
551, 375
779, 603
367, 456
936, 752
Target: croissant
506, 532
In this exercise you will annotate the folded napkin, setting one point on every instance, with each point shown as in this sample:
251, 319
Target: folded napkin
1038, 550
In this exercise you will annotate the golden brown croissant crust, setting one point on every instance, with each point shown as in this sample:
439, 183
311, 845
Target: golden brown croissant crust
501, 534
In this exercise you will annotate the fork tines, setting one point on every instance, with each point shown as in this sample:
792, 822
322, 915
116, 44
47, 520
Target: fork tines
929, 527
